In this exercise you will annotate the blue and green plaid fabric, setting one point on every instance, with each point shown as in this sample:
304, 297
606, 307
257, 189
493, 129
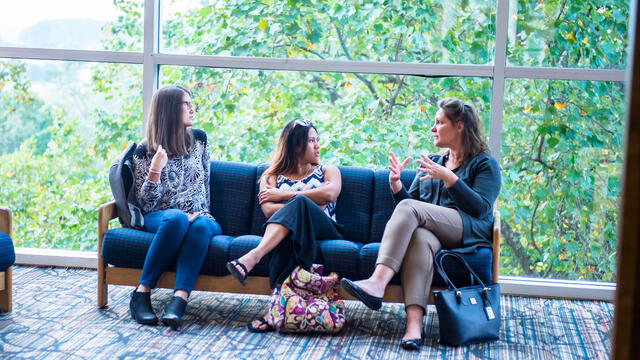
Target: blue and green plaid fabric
242, 245
232, 196
353, 209
340, 256
125, 247
7, 254
383, 203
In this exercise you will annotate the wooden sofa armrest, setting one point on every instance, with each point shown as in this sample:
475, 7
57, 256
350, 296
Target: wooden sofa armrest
6, 277
5, 220
495, 267
106, 213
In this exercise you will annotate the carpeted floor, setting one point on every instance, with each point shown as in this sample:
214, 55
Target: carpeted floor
55, 317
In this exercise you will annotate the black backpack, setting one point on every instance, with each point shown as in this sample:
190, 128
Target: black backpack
123, 187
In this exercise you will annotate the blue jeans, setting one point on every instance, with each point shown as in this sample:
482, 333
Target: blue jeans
180, 241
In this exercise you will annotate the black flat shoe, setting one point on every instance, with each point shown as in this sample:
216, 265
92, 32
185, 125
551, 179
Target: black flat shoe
141, 310
412, 344
231, 267
372, 302
173, 312
259, 328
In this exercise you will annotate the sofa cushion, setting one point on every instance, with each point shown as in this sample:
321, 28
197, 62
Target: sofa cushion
7, 254
353, 208
480, 262
242, 245
383, 203
124, 247
128, 248
233, 196
340, 256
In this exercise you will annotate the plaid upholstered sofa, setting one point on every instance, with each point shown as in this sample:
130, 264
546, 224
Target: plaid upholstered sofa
364, 206
7, 258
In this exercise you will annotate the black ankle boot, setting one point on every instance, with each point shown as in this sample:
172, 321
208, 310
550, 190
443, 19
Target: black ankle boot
141, 310
172, 315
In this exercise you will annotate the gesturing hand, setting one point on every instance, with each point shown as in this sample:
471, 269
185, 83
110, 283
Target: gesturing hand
436, 171
159, 160
396, 170
269, 193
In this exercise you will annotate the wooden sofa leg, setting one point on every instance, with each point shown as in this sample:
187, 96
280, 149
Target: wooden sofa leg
6, 295
103, 288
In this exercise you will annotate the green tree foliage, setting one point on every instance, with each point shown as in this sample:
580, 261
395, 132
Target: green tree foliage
561, 151
22, 116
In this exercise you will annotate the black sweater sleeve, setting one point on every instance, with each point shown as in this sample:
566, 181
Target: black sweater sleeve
413, 193
477, 199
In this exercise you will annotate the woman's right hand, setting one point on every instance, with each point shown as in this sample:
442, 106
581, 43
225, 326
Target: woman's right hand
158, 162
396, 169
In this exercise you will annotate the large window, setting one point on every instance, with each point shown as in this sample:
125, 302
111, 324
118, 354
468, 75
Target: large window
546, 77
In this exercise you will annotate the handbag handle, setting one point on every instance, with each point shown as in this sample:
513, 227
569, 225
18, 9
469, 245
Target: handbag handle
440, 268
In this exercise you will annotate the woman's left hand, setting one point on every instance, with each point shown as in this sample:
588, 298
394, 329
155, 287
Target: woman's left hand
436, 171
270, 194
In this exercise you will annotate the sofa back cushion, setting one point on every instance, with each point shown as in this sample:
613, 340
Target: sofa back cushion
232, 196
383, 203
353, 208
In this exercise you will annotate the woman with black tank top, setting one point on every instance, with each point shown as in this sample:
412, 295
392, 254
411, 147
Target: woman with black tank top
297, 196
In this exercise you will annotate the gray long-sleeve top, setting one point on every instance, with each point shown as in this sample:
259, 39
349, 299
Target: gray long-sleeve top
473, 195
184, 181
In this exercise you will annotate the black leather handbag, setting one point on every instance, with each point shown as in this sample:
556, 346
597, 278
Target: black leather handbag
469, 314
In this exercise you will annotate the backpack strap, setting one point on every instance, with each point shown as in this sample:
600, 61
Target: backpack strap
199, 135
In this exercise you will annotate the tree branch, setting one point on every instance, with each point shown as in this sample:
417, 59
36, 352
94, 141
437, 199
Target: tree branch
398, 43
346, 53
392, 101
533, 218
510, 240
301, 48
538, 157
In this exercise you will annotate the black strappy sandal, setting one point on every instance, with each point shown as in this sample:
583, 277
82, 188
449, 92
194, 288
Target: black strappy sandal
259, 328
231, 267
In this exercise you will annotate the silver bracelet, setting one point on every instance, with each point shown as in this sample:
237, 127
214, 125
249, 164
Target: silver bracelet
155, 172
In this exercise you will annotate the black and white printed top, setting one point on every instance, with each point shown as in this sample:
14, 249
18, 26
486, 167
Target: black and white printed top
184, 181
315, 180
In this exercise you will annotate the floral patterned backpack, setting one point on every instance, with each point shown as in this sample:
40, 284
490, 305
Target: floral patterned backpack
307, 302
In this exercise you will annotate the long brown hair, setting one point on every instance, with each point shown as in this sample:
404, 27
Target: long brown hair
164, 123
292, 144
473, 140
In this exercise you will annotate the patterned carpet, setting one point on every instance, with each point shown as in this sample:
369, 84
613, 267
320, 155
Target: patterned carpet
55, 317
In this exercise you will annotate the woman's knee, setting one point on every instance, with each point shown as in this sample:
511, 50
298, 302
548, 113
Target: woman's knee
425, 242
176, 219
299, 199
205, 227
406, 208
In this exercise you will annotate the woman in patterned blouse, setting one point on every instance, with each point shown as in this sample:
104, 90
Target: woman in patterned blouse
297, 196
172, 189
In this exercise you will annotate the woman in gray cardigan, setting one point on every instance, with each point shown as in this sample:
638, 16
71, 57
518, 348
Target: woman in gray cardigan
449, 205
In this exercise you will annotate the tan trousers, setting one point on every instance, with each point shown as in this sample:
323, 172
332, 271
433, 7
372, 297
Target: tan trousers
415, 232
